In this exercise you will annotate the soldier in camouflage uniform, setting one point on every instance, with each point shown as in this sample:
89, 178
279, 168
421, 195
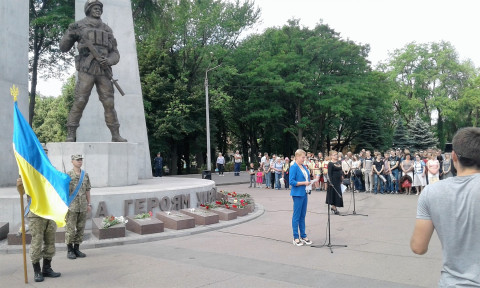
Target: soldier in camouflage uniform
43, 242
92, 71
78, 209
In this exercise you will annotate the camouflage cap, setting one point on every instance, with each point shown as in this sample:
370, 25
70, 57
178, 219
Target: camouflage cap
77, 156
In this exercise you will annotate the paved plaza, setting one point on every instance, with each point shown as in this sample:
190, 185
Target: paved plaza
257, 251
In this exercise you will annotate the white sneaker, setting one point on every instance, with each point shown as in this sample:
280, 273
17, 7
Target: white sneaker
306, 241
299, 243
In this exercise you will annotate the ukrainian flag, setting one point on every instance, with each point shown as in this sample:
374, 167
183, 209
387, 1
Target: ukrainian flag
48, 187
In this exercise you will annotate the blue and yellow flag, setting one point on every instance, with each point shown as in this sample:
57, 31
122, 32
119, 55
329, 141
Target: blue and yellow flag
47, 186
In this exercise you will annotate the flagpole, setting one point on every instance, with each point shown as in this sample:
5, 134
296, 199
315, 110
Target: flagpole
23, 240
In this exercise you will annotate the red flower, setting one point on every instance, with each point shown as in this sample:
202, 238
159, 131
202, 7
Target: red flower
226, 206
243, 204
218, 202
234, 194
207, 207
242, 201
234, 206
202, 205
112, 218
229, 193
150, 213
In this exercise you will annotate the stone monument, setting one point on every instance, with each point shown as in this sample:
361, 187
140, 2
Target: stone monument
13, 70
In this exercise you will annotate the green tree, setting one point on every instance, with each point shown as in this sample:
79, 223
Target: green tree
468, 106
421, 135
173, 58
52, 113
48, 21
401, 138
304, 87
428, 78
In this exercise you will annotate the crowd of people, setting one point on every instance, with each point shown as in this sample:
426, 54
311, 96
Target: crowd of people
394, 171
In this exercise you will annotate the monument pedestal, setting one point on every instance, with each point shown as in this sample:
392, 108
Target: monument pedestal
15, 239
175, 220
241, 211
110, 164
224, 214
144, 226
114, 231
201, 216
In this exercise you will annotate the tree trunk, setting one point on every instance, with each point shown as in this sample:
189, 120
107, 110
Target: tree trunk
200, 159
440, 129
300, 130
174, 159
33, 87
187, 155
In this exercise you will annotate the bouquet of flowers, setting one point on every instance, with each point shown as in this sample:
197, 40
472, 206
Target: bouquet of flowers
242, 203
208, 205
112, 220
144, 215
229, 194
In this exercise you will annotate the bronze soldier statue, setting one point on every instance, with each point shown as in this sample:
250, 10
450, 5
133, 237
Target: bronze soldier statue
97, 52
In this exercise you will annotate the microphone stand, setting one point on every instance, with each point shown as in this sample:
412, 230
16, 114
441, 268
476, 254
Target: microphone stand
354, 213
330, 245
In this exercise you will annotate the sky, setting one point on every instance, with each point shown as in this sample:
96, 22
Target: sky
385, 25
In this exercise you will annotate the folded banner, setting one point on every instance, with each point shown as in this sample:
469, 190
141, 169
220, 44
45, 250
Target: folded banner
47, 187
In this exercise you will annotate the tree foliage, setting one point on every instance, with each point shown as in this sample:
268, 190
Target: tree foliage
48, 21
173, 58
421, 135
429, 79
401, 138
52, 112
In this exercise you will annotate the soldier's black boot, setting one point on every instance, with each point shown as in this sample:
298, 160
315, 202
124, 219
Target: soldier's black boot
47, 270
38, 277
70, 253
77, 252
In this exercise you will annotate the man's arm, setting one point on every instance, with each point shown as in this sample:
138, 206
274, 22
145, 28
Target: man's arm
422, 234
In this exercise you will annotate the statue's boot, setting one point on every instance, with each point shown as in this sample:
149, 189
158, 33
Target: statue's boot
116, 135
71, 134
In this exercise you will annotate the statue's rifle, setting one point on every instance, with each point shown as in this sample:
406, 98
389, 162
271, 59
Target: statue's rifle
107, 70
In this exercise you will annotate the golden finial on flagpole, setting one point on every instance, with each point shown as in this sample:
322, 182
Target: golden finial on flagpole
14, 92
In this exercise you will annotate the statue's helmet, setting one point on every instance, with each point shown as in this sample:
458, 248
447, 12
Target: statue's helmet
90, 3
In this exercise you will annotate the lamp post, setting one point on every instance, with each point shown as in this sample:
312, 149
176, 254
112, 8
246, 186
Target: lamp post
207, 114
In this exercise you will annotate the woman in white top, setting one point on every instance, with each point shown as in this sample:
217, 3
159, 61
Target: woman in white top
357, 173
433, 167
